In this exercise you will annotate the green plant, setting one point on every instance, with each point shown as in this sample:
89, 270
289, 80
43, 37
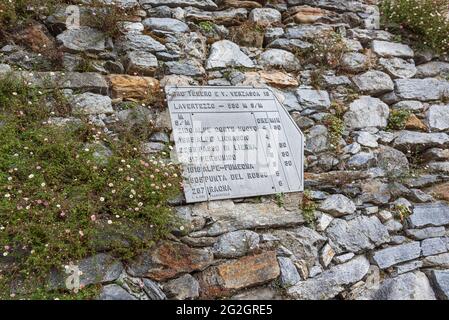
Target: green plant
308, 207
207, 26
401, 211
425, 21
335, 127
279, 197
398, 118
62, 187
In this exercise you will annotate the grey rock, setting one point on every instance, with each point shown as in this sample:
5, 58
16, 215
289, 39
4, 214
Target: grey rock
166, 24
306, 32
361, 160
153, 290
393, 226
230, 217
440, 282
437, 261
236, 244
264, 16
433, 246
433, 69
273, 33
326, 255
4, 69
224, 54
441, 167
336, 81
152, 147
90, 103
355, 117
391, 49
391, 256
358, 234
83, 39
141, 63
228, 17
338, 205
289, 44
393, 161
278, 58
189, 67
139, 42
367, 139
115, 292
313, 99
354, 62
99, 268
331, 282
413, 106
398, 68
344, 257
425, 233
201, 4
421, 89
315, 270
408, 286
411, 139
373, 82
436, 154
429, 214
317, 139
289, 274
182, 288
323, 221
407, 267
438, 117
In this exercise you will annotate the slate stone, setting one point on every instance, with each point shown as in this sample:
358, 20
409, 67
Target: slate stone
433, 246
358, 234
337, 205
406, 139
236, 244
390, 256
277, 58
83, 39
408, 286
355, 117
90, 104
201, 4
166, 24
429, 215
289, 275
440, 282
115, 292
438, 117
391, 49
313, 99
430, 232
421, 89
373, 83
182, 288
224, 54
398, 68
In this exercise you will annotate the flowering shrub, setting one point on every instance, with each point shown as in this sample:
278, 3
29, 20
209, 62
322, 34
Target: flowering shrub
426, 19
61, 195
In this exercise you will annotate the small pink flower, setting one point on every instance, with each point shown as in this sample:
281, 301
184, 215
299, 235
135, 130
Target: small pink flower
93, 217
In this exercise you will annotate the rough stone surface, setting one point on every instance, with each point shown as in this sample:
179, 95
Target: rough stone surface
391, 49
356, 118
338, 205
440, 281
373, 83
236, 244
224, 54
388, 257
182, 288
289, 274
277, 58
430, 215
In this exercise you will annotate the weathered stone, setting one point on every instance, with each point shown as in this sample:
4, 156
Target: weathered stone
421, 89
361, 160
355, 117
99, 268
306, 32
274, 78
277, 58
139, 42
189, 67
115, 292
37, 38
414, 123
430, 232
376, 192
331, 282
440, 282
227, 17
141, 63
323, 221
230, 217
182, 288
83, 39
407, 286
169, 259
326, 255
433, 246
411, 140
391, 256
433, 69
90, 103
392, 161
337, 205
439, 191
236, 244
373, 82
313, 99
201, 4
398, 68
132, 87
437, 261
413, 106
358, 234
429, 214
344, 257
289, 274
303, 242
438, 117
224, 279
367, 139
224, 54
307, 15
391, 49
317, 139
407, 267
265, 16
166, 24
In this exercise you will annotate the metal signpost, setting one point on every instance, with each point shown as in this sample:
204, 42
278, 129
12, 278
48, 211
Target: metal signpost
234, 142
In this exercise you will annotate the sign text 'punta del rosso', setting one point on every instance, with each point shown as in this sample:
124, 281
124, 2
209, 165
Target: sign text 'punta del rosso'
234, 142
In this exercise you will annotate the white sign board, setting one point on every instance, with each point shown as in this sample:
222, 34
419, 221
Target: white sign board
234, 142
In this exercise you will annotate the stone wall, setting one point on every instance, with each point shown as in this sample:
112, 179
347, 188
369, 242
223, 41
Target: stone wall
378, 185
